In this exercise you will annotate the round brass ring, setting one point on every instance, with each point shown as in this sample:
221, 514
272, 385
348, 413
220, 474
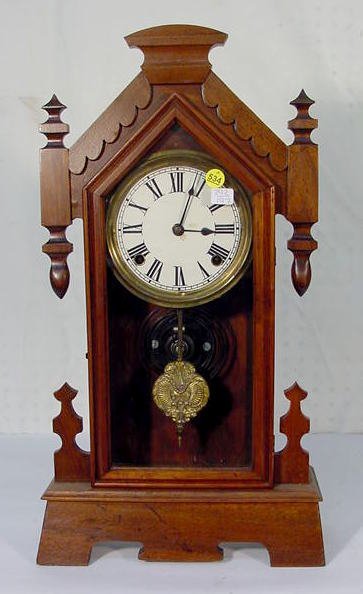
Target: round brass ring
163, 297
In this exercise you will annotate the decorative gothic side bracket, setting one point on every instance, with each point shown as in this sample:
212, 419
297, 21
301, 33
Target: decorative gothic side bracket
71, 463
55, 195
302, 205
292, 463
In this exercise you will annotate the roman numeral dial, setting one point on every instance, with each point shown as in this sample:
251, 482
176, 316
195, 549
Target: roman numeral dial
177, 181
205, 274
132, 228
225, 228
166, 239
154, 188
179, 276
138, 250
216, 250
155, 270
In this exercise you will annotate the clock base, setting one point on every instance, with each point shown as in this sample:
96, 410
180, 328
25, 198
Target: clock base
182, 525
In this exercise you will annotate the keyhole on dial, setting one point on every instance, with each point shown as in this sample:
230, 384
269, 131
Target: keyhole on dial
139, 259
216, 260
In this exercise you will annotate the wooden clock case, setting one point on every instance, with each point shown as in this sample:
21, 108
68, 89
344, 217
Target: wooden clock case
226, 483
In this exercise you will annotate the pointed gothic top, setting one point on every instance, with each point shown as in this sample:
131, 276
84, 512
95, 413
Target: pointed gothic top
303, 124
54, 129
54, 105
302, 99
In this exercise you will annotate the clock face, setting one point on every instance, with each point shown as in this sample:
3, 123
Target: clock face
168, 242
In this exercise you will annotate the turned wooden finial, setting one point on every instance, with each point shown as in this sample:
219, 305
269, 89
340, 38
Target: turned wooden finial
301, 244
176, 53
303, 124
54, 129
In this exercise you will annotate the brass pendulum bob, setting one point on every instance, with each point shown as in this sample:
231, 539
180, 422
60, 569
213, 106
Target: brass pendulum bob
180, 392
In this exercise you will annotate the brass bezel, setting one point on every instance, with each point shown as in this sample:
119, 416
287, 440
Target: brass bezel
153, 294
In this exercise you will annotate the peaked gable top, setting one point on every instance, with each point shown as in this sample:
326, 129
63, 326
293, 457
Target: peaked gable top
177, 83
177, 55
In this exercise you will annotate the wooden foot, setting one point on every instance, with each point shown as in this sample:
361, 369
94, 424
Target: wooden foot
182, 525
300, 543
59, 544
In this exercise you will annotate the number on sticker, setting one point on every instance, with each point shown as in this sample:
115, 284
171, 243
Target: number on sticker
214, 179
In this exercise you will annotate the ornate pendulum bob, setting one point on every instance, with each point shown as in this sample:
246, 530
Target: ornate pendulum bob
180, 392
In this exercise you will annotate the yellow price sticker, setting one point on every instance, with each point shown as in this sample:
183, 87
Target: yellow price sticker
215, 178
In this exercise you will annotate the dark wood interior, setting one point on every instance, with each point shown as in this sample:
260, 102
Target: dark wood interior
140, 434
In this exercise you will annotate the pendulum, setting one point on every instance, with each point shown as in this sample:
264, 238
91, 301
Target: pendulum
180, 392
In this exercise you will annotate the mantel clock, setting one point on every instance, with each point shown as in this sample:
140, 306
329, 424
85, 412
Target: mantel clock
178, 183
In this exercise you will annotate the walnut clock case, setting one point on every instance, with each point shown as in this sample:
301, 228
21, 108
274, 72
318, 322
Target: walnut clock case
180, 317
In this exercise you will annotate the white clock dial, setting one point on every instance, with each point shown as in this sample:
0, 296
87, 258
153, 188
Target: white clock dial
170, 239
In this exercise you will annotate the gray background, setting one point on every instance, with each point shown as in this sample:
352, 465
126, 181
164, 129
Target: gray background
75, 48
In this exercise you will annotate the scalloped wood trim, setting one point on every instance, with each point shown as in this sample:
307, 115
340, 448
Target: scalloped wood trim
106, 129
232, 111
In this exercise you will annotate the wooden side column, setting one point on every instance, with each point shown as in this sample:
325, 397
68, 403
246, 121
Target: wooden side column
55, 195
302, 196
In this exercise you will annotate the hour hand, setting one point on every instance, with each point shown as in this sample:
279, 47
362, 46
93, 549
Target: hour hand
190, 196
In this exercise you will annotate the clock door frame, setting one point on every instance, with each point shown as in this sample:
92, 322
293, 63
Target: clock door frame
103, 474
